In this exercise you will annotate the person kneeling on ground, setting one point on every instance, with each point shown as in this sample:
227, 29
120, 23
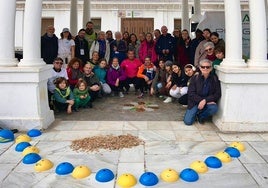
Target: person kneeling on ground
81, 95
145, 75
203, 93
63, 95
93, 82
116, 78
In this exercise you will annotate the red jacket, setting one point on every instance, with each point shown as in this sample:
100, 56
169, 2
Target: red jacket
73, 81
146, 49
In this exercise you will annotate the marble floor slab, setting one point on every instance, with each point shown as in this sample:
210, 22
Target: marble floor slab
167, 144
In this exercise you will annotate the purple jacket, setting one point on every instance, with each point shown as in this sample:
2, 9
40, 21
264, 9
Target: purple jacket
113, 74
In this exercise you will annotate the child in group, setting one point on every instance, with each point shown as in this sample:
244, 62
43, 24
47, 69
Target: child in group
219, 53
74, 71
179, 82
168, 68
159, 81
189, 70
100, 71
63, 95
81, 95
146, 74
116, 77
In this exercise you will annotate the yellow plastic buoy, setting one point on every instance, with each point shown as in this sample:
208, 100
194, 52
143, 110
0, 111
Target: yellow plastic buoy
30, 149
238, 145
23, 138
199, 166
169, 175
43, 165
223, 156
126, 180
80, 172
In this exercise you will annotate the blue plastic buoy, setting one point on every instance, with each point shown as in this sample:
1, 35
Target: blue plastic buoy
189, 175
64, 168
213, 162
34, 133
104, 175
21, 146
6, 136
148, 179
233, 152
31, 158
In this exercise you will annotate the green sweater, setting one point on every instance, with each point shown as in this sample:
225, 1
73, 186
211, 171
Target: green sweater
78, 93
63, 95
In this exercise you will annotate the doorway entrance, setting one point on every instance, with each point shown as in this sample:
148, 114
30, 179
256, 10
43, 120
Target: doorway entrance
137, 25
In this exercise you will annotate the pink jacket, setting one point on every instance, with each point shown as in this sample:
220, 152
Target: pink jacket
145, 50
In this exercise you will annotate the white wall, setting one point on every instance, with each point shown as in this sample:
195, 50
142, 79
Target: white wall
109, 20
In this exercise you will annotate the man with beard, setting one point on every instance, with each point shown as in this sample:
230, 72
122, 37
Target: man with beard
81, 46
90, 35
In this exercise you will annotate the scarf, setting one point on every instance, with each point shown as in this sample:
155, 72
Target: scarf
116, 68
67, 92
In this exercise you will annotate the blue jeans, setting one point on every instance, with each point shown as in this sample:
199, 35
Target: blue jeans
207, 111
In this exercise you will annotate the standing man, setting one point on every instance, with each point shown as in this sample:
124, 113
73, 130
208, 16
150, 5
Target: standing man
165, 45
90, 35
81, 46
49, 45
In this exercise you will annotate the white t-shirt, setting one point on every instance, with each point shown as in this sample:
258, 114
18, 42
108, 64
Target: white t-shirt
65, 47
54, 75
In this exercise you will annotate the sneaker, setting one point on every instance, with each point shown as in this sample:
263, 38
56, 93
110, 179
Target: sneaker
168, 100
184, 106
140, 95
121, 94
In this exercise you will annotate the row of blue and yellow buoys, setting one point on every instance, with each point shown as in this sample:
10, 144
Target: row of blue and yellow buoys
31, 156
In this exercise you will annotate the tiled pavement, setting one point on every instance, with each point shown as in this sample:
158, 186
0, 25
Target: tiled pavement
168, 144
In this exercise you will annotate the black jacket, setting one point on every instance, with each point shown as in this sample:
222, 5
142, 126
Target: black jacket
81, 49
49, 48
165, 42
196, 91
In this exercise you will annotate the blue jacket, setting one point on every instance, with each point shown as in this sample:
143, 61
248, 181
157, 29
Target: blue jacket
100, 73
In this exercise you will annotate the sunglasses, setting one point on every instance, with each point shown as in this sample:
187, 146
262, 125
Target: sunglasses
58, 62
207, 50
205, 67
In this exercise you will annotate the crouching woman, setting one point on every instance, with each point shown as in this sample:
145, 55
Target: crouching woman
203, 93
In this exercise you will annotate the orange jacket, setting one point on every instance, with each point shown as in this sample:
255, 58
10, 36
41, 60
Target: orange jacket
143, 69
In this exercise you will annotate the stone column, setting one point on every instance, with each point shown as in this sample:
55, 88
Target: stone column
7, 34
73, 17
29, 109
31, 34
258, 34
196, 17
185, 15
233, 35
243, 104
86, 12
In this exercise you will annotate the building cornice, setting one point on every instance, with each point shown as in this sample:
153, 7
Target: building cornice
131, 5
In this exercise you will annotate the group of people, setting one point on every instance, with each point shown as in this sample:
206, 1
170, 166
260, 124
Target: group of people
92, 65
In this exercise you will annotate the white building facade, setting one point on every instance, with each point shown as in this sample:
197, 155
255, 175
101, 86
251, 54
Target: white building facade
23, 84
